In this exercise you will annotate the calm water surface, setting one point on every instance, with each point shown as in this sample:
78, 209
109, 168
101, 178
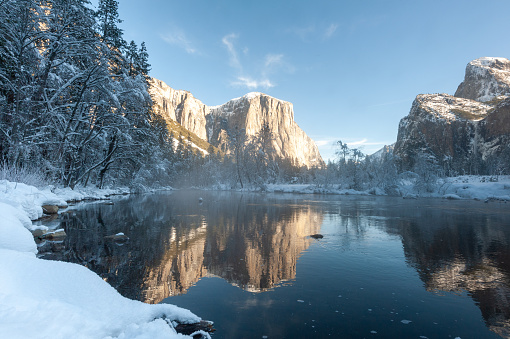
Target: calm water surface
386, 267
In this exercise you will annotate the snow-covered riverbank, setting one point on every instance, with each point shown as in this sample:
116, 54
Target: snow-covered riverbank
462, 187
52, 299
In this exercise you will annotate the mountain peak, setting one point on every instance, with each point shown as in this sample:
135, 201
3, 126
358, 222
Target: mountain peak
249, 113
486, 78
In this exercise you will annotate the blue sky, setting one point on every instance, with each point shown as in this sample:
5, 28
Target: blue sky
351, 68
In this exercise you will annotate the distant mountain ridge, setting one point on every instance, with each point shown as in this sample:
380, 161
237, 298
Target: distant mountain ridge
468, 132
246, 114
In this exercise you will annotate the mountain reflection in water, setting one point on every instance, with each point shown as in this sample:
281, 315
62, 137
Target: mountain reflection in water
254, 241
250, 241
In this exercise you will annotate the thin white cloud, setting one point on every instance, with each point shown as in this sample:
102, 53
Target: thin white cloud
272, 64
277, 63
304, 33
179, 39
330, 30
228, 41
320, 143
314, 32
273, 59
364, 142
252, 83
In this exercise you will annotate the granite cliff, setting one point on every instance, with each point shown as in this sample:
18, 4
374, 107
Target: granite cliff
247, 114
468, 132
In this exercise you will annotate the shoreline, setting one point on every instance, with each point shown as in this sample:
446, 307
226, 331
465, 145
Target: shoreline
52, 299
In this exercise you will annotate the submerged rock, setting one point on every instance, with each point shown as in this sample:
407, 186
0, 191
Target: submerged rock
50, 209
188, 329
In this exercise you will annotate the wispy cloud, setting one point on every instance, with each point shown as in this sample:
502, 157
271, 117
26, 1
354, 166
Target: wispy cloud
252, 83
366, 143
228, 41
273, 59
314, 32
272, 64
178, 38
330, 30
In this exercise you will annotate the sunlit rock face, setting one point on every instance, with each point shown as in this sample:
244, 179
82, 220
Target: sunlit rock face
180, 106
485, 79
463, 129
247, 115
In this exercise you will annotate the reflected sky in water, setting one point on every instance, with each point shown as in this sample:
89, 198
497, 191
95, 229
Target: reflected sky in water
386, 267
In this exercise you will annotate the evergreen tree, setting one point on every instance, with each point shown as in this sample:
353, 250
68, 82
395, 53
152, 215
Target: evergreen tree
108, 19
143, 61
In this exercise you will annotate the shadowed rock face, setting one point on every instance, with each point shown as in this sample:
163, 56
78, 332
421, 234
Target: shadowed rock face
464, 128
247, 114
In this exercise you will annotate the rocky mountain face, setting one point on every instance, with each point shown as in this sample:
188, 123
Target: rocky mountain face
468, 132
486, 78
247, 115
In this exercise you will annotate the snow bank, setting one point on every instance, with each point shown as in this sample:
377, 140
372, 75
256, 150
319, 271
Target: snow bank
28, 199
462, 187
479, 187
13, 230
52, 299
84, 193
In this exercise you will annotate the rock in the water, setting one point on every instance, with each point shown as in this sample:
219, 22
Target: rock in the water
50, 209
317, 236
188, 329
119, 237
56, 235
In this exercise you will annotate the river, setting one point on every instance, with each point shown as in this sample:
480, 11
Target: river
386, 267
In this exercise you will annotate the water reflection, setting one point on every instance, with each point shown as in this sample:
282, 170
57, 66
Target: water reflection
454, 246
464, 248
250, 241
254, 242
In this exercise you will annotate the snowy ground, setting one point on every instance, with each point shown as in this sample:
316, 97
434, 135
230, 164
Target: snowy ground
52, 299
462, 187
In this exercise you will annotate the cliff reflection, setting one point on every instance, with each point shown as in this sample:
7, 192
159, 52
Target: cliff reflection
461, 247
251, 241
